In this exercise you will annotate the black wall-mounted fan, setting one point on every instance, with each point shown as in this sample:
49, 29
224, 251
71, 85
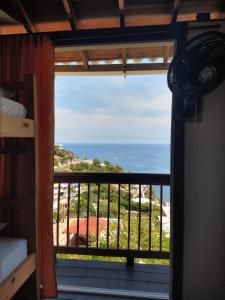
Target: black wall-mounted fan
197, 70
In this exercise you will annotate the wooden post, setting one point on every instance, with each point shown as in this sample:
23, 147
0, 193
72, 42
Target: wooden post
130, 261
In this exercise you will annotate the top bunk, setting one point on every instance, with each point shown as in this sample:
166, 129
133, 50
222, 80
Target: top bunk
17, 119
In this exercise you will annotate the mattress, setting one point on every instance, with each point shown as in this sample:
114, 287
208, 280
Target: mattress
12, 108
12, 252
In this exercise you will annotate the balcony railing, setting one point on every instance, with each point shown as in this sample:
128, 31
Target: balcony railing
112, 214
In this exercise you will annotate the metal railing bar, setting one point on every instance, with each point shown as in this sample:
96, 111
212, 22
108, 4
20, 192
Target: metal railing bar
124, 193
87, 219
139, 219
98, 204
150, 218
161, 210
114, 252
113, 178
78, 216
108, 215
68, 216
118, 223
128, 238
58, 217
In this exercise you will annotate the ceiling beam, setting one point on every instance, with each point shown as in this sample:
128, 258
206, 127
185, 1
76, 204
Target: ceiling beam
175, 10
27, 22
114, 35
13, 29
70, 13
122, 12
84, 55
112, 69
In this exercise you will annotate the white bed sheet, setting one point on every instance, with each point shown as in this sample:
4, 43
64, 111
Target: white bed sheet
12, 108
12, 252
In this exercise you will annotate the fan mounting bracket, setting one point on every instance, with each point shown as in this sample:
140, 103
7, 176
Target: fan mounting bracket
203, 17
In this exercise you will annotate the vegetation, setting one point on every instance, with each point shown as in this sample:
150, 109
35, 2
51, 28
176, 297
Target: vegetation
62, 158
123, 239
96, 167
67, 161
64, 154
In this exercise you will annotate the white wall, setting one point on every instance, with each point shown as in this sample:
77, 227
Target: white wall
204, 217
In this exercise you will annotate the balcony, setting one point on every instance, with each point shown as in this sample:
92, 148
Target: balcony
108, 216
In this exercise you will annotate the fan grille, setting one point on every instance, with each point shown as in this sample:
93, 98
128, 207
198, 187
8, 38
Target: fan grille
199, 68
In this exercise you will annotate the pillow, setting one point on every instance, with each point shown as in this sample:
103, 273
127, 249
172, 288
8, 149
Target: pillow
9, 107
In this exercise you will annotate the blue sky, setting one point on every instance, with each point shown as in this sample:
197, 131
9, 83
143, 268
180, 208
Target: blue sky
112, 109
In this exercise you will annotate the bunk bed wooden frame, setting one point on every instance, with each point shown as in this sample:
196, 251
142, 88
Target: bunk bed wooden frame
23, 281
11, 284
11, 126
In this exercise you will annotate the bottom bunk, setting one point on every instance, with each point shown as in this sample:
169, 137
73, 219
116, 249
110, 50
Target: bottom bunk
15, 266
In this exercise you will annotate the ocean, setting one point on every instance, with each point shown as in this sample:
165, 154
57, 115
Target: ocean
136, 158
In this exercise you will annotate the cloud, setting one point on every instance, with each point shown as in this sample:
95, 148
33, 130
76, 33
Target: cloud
73, 126
111, 109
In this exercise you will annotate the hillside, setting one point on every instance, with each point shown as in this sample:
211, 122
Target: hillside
67, 161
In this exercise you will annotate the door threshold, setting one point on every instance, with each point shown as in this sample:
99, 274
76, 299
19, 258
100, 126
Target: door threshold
112, 292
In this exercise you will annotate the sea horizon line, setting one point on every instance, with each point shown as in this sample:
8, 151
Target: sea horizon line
111, 143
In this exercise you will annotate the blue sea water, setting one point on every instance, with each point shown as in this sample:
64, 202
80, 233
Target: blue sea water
136, 158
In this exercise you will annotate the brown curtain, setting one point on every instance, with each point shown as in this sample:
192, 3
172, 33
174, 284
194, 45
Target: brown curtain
20, 55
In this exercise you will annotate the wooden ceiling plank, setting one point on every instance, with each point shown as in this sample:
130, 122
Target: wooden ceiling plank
53, 26
114, 54
27, 21
12, 29
175, 10
122, 12
70, 13
84, 55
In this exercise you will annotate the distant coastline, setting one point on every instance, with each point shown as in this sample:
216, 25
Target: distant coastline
137, 158
134, 158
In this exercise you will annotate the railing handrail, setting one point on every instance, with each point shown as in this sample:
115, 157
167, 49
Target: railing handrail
124, 187
112, 178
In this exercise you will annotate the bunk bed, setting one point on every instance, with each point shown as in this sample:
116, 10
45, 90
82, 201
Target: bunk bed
12, 117
18, 269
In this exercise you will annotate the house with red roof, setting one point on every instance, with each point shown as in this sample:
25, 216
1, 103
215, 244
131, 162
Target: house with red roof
81, 230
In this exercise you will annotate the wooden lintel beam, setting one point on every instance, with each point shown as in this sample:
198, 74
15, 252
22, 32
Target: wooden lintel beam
175, 9
122, 12
70, 13
111, 68
84, 54
27, 22
110, 46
